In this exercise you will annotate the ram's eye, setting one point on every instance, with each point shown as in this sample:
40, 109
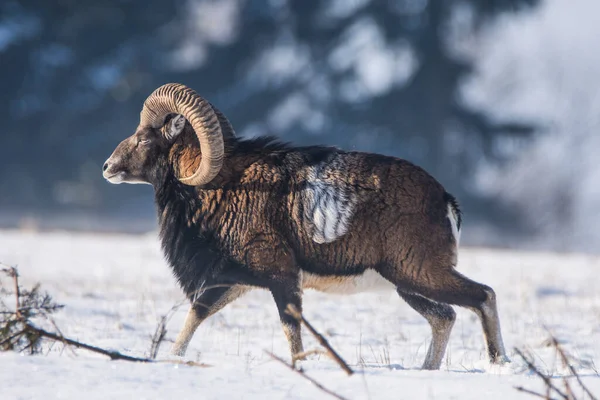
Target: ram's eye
144, 141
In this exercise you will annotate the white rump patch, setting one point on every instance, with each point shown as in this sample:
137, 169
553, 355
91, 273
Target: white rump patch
328, 205
369, 281
454, 223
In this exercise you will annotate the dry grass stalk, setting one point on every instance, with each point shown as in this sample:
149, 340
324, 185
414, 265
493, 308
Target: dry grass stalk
158, 337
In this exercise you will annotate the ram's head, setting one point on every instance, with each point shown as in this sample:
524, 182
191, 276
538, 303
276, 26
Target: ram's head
172, 115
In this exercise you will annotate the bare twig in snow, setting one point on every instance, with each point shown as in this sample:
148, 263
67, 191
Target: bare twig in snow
293, 311
545, 378
531, 392
565, 361
12, 272
114, 355
301, 373
569, 393
17, 332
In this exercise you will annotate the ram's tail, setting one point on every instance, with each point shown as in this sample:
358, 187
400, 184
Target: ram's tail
454, 215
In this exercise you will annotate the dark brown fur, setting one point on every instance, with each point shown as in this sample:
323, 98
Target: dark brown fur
248, 228
400, 206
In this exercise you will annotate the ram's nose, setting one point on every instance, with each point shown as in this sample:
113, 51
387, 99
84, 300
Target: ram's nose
106, 170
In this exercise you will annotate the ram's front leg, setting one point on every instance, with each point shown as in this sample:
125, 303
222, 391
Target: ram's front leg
272, 262
205, 305
284, 293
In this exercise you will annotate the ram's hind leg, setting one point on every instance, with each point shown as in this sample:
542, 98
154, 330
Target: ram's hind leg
449, 286
207, 304
441, 319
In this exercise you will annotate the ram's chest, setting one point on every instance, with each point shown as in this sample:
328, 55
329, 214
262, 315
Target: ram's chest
368, 281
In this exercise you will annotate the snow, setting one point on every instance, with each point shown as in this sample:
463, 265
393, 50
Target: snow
115, 288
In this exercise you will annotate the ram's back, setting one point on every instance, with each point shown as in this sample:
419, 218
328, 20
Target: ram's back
335, 211
351, 211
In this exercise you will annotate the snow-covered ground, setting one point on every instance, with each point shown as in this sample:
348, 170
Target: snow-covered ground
115, 289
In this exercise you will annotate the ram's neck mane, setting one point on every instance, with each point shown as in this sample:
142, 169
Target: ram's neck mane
193, 252
256, 146
190, 253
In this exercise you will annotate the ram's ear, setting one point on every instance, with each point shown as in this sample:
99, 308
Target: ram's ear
174, 126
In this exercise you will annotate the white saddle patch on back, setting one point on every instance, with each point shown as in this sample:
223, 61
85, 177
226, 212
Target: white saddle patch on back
328, 204
369, 281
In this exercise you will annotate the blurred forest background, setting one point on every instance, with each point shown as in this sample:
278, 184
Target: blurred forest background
498, 99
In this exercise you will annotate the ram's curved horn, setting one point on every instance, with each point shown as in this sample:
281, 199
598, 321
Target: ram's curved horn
177, 98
